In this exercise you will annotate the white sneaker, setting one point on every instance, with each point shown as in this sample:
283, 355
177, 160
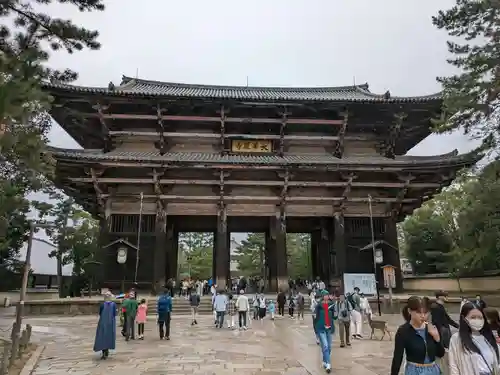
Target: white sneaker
245, 328
328, 368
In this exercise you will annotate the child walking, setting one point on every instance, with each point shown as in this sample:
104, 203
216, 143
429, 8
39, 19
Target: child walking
142, 311
271, 307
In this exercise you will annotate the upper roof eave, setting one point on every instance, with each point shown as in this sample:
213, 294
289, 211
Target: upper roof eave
96, 156
139, 88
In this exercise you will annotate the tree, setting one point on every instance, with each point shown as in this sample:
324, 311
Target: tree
471, 97
427, 244
25, 47
196, 254
248, 254
27, 35
250, 260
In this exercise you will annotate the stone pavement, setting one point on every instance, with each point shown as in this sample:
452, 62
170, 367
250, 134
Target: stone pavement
268, 348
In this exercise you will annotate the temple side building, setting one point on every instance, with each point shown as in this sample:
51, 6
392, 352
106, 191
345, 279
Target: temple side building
162, 158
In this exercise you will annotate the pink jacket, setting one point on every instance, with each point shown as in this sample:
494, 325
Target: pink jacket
141, 313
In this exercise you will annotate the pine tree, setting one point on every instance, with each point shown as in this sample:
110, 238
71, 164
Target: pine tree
24, 52
471, 97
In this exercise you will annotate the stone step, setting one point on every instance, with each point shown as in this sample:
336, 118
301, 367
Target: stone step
181, 306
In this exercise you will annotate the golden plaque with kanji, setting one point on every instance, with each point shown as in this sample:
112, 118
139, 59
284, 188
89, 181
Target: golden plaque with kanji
251, 146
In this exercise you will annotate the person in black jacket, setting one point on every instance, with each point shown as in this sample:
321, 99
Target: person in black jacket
441, 319
479, 302
419, 340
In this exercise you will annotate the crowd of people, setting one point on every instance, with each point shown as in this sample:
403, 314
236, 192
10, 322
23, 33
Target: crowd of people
424, 344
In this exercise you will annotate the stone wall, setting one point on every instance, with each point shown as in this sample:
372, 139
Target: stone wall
469, 285
67, 306
31, 295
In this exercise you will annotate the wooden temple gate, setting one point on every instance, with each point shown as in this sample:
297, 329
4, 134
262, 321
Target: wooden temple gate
170, 158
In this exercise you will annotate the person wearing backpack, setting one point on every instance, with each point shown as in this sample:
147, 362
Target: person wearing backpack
344, 309
356, 317
301, 303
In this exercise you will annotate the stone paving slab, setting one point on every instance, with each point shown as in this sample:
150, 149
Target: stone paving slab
284, 346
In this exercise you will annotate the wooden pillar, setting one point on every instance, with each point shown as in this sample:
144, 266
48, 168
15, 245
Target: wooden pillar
222, 251
315, 239
391, 251
324, 253
272, 284
102, 256
160, 252
281, 255
172, 251
339, 246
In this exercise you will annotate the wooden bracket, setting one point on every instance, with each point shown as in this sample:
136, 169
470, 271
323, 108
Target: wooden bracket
101, 109
284, 121
162, 143
339, 146
222, 128
394, 132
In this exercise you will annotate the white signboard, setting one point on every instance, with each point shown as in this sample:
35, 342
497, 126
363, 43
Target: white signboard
364, 281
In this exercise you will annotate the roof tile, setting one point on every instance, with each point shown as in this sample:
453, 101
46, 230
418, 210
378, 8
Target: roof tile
146, 88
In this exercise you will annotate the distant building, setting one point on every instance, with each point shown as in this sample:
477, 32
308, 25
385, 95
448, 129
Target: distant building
44, 268
233, 266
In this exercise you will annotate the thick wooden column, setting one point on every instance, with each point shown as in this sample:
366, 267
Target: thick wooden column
281, 255
160, 252
391, 251
271, 265
172, 251
222, 251
102, 256
315, 239
339, 246
324, 253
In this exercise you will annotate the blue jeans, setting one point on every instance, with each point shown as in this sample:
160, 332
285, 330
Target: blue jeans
220, 319
325, 340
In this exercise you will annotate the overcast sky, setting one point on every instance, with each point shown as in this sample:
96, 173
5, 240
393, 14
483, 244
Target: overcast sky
391, 44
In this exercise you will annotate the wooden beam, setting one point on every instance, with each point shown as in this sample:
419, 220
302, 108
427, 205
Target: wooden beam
101, 201
270, 200
141, 181
339, 146
254, 120
286, 137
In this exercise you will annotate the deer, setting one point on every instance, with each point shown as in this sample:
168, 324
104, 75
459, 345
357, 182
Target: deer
380, 325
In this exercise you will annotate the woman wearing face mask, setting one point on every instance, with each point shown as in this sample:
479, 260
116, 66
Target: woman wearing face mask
419, 340
473, 349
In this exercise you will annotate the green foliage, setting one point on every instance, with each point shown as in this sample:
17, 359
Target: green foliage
27, 34
471, 97
195, 255
458, 232
250, 255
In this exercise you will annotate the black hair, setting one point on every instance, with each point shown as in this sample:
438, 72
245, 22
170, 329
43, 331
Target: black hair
356, 289
414, 303
465, 332
143, 300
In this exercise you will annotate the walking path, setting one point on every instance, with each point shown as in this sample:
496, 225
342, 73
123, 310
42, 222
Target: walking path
269, 348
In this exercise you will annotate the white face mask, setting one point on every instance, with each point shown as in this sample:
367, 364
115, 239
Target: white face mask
476, 324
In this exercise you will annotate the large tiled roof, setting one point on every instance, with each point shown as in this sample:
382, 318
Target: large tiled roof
272, 160
134, 87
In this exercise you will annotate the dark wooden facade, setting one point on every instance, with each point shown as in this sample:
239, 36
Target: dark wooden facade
247, 159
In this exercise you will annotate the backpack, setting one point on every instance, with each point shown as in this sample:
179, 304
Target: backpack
350, 299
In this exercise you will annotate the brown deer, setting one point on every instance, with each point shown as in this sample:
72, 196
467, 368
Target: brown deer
380, 325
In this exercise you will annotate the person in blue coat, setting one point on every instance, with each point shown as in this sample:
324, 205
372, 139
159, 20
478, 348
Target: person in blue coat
324, 320
105, 336
164, 309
